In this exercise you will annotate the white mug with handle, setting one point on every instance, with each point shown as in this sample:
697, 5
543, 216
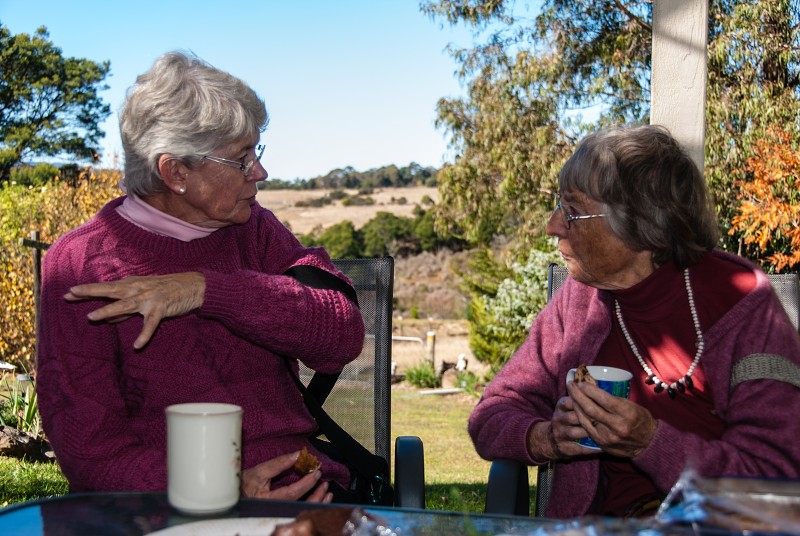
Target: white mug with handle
204, 446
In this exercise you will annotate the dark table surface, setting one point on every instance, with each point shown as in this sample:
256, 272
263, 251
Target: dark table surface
133, 514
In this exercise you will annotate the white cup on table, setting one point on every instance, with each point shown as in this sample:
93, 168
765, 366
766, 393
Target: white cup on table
204, 446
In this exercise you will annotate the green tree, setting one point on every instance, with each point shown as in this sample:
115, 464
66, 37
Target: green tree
525, 84
505, 299
342, 240
753, 88
387, 234
49, 104
532, 72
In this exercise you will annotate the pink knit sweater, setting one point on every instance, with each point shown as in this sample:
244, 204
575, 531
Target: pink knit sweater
762, 429
102, 402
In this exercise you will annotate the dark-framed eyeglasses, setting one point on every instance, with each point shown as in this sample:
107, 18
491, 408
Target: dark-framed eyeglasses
244, 165
569, 218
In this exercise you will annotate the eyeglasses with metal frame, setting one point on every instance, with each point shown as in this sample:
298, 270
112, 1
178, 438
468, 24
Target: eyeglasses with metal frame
244, 167
569, 218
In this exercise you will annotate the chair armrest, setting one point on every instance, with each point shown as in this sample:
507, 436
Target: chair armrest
409, 472
507, 491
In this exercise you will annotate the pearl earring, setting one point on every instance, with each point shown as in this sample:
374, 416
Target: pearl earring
182, 190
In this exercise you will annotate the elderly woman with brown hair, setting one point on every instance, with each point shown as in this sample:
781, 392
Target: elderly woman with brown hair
712, 351
186, 290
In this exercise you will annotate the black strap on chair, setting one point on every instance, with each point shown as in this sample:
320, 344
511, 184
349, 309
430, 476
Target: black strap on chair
371, 467
321, 384
314, 277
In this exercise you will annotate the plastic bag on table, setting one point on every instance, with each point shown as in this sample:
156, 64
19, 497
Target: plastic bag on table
733, 504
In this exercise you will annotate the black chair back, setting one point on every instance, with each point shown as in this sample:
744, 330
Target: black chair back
360, 399
787, 287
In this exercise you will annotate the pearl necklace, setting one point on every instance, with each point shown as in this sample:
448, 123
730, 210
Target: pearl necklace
686, 381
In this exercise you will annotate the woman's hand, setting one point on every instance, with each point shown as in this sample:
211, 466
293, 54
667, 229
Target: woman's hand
257, 482
555, 439
620, 427
153, 297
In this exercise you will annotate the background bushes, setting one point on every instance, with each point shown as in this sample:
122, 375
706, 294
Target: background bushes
51, 207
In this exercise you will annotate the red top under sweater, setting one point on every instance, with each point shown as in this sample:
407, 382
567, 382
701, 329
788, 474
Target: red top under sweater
657, 314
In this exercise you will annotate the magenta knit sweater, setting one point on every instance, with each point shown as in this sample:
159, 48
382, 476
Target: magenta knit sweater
102, 402
762, 433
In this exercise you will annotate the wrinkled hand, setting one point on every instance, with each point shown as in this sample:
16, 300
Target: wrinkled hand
555, 440
257, 482
620, 427
154, 297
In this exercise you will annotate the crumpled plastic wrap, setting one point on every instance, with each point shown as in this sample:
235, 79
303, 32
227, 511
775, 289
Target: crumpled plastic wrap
703, 507
732, 505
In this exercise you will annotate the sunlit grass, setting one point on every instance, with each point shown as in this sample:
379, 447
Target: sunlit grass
23, 481
455, 476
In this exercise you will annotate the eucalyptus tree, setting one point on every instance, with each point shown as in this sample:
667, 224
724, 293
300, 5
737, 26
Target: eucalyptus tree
530, 72
753, 86
527, 85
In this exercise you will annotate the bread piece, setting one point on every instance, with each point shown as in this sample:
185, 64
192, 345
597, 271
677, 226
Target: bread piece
306, 462
331, 521
582, 375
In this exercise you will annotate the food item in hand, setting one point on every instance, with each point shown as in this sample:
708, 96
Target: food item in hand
582, 375
306, 462
331, 521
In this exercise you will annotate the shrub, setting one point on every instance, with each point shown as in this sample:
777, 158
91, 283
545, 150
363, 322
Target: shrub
51, 209
423, 375
469, 382
341, 240
500, 320
33, 175
19, 408
388, 234
357, 201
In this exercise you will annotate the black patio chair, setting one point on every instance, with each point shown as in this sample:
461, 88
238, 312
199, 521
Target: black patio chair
360, 401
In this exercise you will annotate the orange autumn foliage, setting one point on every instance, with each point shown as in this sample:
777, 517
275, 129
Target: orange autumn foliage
769, 214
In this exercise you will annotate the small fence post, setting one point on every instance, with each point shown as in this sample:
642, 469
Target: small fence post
33, 242
430, 346
37, 277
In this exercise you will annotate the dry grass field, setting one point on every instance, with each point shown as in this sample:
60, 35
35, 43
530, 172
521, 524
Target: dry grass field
302, 220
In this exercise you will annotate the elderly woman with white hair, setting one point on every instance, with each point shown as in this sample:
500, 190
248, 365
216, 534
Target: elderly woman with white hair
181, 291
712, 351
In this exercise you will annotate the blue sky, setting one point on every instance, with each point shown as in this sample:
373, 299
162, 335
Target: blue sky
346, 82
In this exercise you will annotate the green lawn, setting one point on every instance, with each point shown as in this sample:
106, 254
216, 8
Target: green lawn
23, 481
455, 475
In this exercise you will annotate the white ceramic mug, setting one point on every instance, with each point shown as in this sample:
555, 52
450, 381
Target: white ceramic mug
204, 446
612, 380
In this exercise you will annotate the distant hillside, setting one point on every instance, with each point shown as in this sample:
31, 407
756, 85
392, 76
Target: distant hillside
383, 177
299, 211
424, 284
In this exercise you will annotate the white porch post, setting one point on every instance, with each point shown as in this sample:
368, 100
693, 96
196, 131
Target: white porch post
678, 90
